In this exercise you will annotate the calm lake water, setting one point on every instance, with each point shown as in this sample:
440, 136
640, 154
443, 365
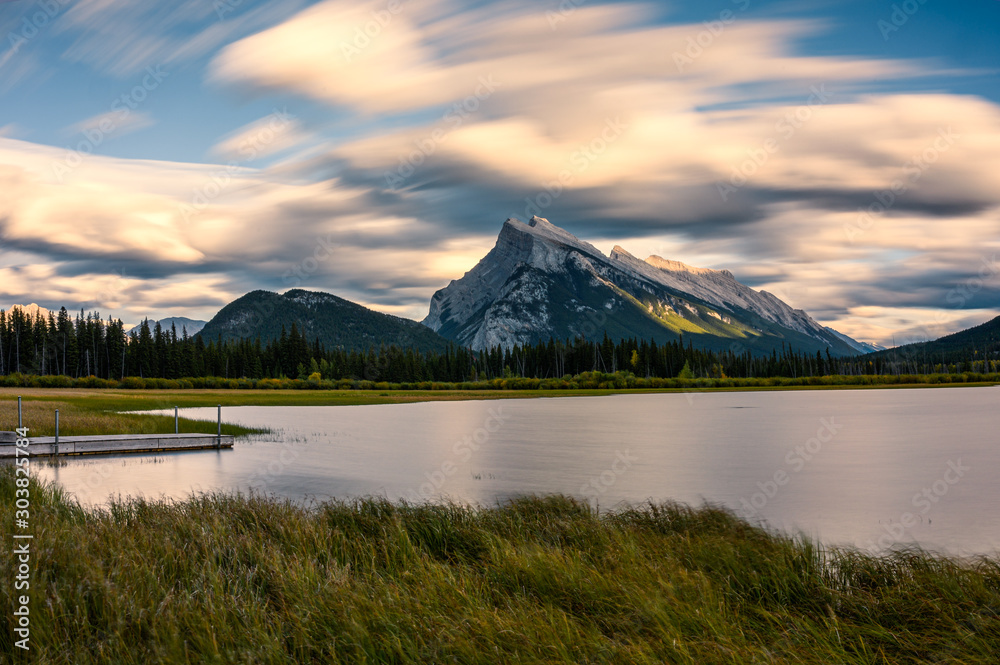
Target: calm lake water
870, 468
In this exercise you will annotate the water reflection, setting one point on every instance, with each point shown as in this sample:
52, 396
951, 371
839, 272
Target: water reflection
767, 455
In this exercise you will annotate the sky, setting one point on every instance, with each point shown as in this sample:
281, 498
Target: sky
162, 159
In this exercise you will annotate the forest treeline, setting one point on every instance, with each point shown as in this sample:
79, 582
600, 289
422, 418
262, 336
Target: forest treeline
85, 345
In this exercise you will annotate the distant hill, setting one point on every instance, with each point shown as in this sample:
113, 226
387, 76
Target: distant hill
979, 343
336, 322
33, 310
863, 347
182, 322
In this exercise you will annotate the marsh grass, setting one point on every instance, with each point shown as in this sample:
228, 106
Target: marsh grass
80, 416
247, 579
109, 411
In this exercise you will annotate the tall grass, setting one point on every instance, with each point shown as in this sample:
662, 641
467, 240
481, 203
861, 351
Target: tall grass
78, 417
620, 380
247, 579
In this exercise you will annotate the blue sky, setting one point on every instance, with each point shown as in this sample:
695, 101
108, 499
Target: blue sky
192, 115
256, 132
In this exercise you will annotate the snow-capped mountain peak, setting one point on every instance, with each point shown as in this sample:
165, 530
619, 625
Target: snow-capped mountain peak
543, 229
540, 281
677, 266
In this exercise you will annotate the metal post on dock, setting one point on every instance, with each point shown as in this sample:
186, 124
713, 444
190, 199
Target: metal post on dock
20, 423
218, 440
57, 427
177, 429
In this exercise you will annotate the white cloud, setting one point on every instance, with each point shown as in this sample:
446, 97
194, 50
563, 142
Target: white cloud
117, 123
362, 56
274, 133
122, 38
65, 242
802, 141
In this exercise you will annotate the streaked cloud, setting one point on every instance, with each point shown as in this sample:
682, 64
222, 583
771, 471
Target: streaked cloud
126, 217
819, 178
429, 53
272, 134
118, 123
122, 38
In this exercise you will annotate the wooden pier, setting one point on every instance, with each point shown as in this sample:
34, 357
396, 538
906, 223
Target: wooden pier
119, 443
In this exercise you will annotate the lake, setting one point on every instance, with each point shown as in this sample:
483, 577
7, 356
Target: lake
869, 468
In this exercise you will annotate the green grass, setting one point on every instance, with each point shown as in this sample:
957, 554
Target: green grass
96, 412
584, 382
94, 399
236, 579
106, 411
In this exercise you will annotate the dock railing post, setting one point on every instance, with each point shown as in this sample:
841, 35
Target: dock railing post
57, 427
218, 440
20, 423
177, 429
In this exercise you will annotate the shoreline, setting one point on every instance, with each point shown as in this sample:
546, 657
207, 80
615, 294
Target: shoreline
99, 411
375, 581
191, 397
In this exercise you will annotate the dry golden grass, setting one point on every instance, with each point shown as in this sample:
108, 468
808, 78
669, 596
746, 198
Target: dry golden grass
87, 414
244, 579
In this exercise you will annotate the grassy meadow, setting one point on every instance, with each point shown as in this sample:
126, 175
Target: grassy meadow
248, 579
237, 579
105, 410
86, 412
102, 411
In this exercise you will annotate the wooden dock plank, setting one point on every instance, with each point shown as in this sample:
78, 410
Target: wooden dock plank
119, 443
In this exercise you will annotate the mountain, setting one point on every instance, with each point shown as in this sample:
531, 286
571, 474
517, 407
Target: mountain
33, 310
540, 281
862, 347
192, 325
182, 323
979, 343
335, 321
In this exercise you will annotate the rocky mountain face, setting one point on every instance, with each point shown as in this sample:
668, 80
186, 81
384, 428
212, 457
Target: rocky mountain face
540, 281
860, 347
336, 322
